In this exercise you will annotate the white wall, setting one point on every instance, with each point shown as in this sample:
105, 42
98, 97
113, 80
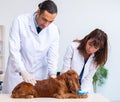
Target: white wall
75, 19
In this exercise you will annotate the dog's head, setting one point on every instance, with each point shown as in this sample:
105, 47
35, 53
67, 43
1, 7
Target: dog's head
72, 81
24, 90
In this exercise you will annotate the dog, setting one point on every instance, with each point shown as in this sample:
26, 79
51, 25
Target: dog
65, 85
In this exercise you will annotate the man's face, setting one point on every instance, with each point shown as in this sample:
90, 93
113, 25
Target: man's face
45, 18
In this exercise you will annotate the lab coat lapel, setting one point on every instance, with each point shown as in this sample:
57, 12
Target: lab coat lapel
32, 24
88, 64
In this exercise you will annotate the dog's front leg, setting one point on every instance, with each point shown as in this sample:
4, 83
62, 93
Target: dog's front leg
59, 95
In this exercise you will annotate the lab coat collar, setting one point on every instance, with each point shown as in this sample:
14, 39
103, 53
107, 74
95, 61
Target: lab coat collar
90, 58
92, 55
32, 23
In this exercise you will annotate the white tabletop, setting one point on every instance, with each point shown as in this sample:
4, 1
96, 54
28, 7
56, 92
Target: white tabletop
91, 98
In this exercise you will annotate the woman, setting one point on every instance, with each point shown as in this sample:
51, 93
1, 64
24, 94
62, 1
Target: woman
86, 55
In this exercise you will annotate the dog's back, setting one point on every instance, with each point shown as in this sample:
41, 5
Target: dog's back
48, 87
43, 88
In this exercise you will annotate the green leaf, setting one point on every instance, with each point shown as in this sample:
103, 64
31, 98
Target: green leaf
100, 76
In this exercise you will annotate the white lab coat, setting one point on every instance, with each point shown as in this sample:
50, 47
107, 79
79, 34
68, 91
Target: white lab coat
30, 51
74, 60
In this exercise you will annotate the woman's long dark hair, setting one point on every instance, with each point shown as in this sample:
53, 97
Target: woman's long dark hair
100, 40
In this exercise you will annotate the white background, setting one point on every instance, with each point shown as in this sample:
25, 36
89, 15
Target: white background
75, 19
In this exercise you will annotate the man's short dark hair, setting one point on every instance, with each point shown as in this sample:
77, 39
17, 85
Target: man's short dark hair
49, 6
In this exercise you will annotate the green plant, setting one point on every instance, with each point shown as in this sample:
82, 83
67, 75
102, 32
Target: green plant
100, 77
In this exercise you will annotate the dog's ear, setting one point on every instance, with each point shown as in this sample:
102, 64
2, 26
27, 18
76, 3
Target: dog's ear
72, 85
73, 81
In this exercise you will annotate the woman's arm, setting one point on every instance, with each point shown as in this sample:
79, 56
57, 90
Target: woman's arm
67, 59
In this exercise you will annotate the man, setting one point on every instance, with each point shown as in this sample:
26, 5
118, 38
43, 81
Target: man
33, 43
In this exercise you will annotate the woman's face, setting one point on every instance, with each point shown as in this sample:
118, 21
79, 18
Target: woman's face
90, 48
45, 18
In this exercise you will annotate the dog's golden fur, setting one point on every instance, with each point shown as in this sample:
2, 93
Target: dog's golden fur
65, 85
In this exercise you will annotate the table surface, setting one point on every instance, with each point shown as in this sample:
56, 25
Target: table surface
91, 98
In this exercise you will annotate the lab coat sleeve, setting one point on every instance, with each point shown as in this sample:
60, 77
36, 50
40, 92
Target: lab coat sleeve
87, 80
14, 46
67, 58
53, 54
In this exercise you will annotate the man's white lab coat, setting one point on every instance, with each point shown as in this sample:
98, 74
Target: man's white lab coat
30, 51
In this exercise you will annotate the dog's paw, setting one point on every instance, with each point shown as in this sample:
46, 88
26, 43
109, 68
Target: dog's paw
58, 96
29, 96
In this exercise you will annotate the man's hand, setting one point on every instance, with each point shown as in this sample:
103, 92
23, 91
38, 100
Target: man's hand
28, 78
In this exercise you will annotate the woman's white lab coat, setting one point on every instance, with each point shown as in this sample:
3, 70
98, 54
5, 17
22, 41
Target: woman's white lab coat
30, 51
74, 60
